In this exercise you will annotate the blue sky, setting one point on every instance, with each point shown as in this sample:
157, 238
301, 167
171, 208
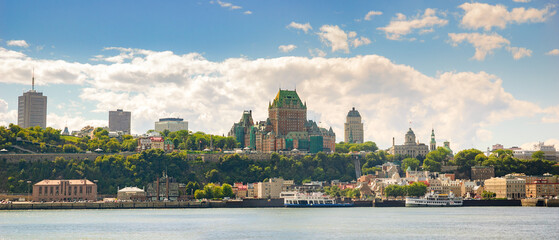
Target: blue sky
479, 72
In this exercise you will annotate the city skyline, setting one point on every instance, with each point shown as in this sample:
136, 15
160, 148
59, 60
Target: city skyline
437, 64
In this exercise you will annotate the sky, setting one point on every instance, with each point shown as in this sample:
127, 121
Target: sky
478, 73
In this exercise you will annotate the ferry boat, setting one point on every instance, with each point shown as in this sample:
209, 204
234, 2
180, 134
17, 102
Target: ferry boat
435, 200
317, 199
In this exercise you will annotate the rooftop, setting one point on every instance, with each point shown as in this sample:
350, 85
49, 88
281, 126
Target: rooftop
353, 113
286, 98
71, 182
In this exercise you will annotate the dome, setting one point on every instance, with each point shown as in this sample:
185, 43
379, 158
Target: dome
353, 113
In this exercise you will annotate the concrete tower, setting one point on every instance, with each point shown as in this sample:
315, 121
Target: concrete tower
353, 127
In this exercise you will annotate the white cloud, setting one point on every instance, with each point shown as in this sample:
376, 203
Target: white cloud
305, 27
483, 43
401, 26
7, 116
482, 15
211, 95
518, 53
247, 12
360, 41
338, 40
287, 48
370, 15
522, 1
554, 52
334, 37
317, 53
17, 43
228, 5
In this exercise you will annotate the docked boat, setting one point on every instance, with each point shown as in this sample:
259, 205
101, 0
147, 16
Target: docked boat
297, 199
435, 200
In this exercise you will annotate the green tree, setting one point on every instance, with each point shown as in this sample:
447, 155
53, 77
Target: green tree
70, 148
394, 191
227, 190
416, 189
488, 195
412, 163
431, 165
538, 155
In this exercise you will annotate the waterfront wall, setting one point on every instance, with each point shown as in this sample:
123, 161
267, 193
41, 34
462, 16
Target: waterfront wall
34, 157
211, 157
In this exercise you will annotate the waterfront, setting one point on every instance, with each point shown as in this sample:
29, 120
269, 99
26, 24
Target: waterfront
283, 223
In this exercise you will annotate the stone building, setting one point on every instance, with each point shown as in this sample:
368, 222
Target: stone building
64, 190
410, 148
542, 186
286, 128
482, 172
510, 187
353, 127
32, 108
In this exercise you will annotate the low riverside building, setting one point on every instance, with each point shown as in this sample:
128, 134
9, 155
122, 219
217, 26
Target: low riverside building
64, 190
510, 187
131, 194
271, 188
542, 186
162, 189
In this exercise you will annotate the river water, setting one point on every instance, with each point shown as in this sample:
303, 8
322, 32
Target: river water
284, 223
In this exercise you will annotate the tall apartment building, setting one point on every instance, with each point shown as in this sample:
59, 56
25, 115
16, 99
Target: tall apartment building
32, 108
171, 124
353, 127
119, 121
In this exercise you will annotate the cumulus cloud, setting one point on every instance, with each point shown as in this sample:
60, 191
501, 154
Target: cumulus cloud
522, 1
401, 26
554, 52
304, 27
317, 52
518, 52
486, 16
339, 40
211, 95
287, 48
7, 116
360, 41
483, 43
17, 43
370, 15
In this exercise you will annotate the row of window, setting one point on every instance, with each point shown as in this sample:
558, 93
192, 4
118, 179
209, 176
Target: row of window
52, 190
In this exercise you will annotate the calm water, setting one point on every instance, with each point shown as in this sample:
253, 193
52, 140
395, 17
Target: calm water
282, 223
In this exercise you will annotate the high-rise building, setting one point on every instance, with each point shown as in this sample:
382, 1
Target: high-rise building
171, 124
32, 108
119, 121
353, 127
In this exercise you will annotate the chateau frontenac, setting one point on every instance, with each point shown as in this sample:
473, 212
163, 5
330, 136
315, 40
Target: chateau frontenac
286, 128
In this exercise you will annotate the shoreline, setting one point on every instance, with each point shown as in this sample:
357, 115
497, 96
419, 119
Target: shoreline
251, 203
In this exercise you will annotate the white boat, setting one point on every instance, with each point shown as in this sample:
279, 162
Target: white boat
435, 200
317, 199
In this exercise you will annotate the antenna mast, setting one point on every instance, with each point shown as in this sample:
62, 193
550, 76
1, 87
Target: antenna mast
33, 81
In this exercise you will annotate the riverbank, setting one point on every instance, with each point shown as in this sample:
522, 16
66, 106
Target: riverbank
246, 203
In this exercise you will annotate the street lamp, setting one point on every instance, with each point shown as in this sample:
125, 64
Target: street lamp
28, 188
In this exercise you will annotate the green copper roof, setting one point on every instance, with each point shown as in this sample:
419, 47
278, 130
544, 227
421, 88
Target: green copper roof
286, 98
